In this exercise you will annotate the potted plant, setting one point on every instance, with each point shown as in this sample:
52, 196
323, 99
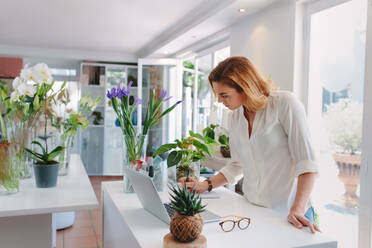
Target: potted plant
187, 153
219, 134
187, 223
69, 122
98, 118
45, 167
344, 124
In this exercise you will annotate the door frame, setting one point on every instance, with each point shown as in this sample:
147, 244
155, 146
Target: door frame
176, 114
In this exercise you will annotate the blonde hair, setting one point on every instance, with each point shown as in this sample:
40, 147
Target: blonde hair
240, 73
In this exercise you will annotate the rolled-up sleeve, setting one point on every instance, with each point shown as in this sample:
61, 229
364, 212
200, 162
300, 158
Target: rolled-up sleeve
292, 117
233, 170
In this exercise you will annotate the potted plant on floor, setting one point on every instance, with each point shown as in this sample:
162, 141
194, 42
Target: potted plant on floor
344, 124
187, 223
187, 153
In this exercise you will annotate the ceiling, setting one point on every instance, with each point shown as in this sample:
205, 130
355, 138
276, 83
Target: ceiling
140, 27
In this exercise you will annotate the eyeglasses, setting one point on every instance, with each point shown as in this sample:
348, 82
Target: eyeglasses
228, 225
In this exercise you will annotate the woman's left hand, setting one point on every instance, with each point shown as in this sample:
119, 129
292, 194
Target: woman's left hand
297, 218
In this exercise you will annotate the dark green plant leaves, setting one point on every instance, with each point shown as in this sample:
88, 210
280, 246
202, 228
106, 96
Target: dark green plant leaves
173, 158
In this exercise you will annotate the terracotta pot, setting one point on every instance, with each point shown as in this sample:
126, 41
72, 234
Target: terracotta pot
186, 228
349, 167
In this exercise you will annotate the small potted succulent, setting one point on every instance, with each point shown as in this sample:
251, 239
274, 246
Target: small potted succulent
187, 223
187, 153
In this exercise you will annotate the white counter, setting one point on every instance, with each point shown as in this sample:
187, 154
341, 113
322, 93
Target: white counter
30, 210
127, 224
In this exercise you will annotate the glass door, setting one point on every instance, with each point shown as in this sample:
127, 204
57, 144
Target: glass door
161, 74
336, 63
115, 74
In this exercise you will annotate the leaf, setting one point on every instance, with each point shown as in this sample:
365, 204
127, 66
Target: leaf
224, 140
164, 148
196, 135
174, 158
36, 102
38, 143
55, 152
36, 155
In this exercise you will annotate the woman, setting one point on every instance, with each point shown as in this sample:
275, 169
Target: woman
269, 141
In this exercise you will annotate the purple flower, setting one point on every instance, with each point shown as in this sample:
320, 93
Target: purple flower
118, 91
138, 101
128, 89
154, 88
179, 102
123, 92
166, 99
111, 94
163, 93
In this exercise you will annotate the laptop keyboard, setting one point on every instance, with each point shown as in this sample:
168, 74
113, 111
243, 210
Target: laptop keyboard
169, 209
207, 215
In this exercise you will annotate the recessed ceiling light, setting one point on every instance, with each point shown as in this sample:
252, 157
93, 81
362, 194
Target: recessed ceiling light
241, 10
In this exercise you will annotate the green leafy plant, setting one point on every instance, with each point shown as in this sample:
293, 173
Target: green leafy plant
190, 149
119, 98
44, 157
186, 202
97, 117
220, 134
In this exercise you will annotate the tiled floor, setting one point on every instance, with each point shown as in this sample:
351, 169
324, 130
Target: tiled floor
86, 232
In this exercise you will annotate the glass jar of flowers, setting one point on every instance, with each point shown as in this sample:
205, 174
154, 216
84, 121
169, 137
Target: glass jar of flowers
134, 143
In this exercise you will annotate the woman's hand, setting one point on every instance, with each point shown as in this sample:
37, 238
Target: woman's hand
199, 187
297, 218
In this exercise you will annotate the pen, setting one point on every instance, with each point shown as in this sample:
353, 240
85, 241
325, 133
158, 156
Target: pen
187, 176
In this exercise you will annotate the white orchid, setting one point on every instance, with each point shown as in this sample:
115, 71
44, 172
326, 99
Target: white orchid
39, 74
17, 82
26, 89
42, 74
14, 96
27, 74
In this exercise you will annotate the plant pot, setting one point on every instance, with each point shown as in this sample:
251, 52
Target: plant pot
349, 167
186, 228
193, 167
46, 175
225, 151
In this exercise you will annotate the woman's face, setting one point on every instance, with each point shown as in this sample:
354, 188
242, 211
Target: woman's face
229, 96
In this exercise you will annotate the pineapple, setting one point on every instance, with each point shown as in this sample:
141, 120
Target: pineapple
186, 223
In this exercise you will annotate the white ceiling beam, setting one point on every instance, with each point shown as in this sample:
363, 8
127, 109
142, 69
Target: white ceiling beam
187, 22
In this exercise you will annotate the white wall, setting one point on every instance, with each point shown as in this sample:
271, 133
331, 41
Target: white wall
267, 38
66, 54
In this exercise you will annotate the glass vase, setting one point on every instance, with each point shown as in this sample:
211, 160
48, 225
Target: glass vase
64, 157
192, 168
9, 169
134, 156
21, 135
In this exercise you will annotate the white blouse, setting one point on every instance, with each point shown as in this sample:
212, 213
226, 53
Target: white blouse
278, 151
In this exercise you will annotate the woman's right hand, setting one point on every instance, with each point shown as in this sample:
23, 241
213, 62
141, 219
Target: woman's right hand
199, 187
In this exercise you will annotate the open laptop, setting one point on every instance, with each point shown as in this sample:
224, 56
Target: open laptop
150, 199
